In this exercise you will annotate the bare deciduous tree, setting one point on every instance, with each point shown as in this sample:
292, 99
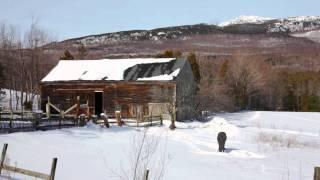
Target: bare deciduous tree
245, 79
146, 153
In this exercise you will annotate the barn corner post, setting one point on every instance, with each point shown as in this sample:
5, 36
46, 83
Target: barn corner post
77, 110
173, 110
88, 108
173, 117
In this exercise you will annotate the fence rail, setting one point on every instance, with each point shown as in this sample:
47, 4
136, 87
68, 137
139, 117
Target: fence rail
27, 172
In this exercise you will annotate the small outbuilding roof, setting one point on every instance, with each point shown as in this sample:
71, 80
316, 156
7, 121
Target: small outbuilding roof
139, 69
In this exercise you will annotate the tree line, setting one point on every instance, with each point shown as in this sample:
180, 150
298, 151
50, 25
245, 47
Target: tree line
248, 83
22, 62
237, 82
241, 82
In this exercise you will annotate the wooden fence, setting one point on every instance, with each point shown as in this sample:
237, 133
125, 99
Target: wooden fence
27, 172
11, 121
151, 120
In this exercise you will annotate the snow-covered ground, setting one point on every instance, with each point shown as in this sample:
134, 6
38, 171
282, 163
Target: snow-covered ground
312, 35
260, 145
5, 100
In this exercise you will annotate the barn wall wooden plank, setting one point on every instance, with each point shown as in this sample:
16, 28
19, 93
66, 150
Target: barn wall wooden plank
124, 94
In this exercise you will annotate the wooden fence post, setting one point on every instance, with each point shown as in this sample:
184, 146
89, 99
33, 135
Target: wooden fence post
161, 119
88, 108
48, 108
118, 118
137, 118
105, 119
146, 174
78, 106
316, 173
10, 122
53, 168
36, 120
3, 156
173, 118
62, 118
82, 118
22, 112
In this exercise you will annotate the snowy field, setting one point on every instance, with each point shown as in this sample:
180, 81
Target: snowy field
260, 145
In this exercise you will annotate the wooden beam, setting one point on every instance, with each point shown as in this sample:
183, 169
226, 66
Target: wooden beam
88, 109
54, 107
146, 175
78, 107
48, 110
3, 156
26, 172
53, 168
316, 173
84, 89
71, 108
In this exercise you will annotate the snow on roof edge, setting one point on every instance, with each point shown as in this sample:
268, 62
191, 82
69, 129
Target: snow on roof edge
92, 70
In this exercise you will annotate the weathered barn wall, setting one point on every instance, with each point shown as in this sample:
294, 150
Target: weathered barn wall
185, 93
128, 95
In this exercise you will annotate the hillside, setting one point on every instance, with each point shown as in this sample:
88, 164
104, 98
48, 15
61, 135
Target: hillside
280, 54
241, 25
291, 38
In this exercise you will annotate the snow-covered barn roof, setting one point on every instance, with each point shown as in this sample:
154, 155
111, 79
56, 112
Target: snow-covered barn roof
139, 69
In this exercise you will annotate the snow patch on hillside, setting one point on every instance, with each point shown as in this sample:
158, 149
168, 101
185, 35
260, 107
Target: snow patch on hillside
246, 20
312, 35
296, 24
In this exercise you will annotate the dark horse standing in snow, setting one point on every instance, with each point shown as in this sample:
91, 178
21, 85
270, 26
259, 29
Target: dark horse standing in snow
222, 137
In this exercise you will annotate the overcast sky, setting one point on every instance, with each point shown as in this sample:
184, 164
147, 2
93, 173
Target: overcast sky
73, 18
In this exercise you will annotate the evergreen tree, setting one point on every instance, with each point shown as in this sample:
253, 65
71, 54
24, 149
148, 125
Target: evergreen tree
169, 54
66, 56
82, 51
195, 67
224, 69
1, 81
1, 75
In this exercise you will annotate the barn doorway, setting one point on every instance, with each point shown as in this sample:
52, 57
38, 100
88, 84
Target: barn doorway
98, 102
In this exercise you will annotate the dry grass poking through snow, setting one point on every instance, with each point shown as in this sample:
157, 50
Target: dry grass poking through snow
283, 140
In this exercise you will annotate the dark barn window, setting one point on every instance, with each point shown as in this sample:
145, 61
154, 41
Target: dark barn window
98, 103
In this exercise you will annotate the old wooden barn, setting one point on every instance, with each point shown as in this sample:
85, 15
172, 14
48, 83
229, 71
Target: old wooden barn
149, 86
